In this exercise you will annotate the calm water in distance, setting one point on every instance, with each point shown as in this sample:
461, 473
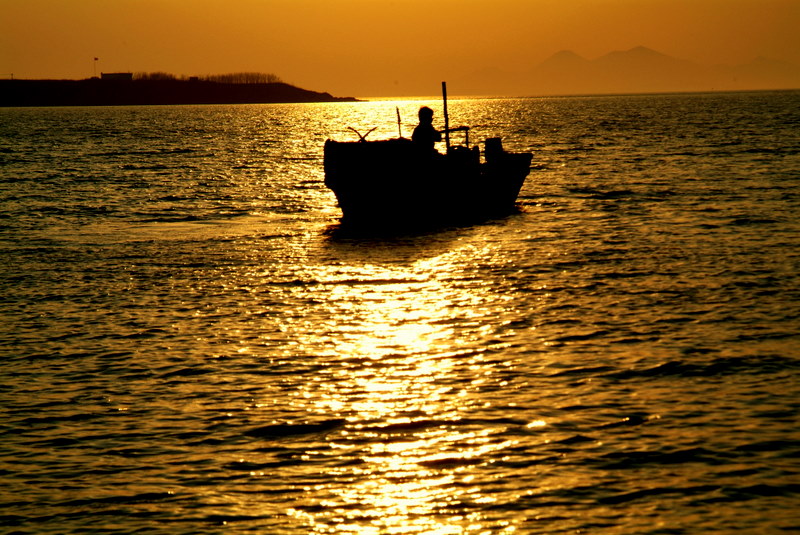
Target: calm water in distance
187, 345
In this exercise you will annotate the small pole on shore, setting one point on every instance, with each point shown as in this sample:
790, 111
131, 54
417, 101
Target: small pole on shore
446, 117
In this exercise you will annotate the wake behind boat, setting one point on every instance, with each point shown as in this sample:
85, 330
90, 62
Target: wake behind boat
400, 183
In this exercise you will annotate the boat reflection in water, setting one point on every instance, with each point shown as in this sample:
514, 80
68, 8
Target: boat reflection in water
401, 184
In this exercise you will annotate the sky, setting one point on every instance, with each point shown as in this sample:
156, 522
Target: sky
376, 48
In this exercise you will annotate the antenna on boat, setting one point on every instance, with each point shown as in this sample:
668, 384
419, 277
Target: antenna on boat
399, 129
446, 117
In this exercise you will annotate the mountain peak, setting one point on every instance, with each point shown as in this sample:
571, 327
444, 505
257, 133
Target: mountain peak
643, 51
563, 58
640, 53
566, 54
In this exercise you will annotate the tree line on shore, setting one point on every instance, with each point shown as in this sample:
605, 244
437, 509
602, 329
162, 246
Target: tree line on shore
231, 78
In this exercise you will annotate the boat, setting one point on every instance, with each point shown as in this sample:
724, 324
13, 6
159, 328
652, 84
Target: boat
395, 183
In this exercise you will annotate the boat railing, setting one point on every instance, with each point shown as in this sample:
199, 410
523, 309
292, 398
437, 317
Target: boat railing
464, 129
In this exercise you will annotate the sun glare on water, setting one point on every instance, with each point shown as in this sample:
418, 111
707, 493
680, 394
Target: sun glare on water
402, 384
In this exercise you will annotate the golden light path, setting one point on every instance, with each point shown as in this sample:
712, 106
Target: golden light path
403, 385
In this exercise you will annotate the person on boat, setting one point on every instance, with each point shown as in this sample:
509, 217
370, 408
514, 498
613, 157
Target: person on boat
425, 135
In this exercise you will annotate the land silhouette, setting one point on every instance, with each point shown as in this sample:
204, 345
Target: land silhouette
117, 89
638, 70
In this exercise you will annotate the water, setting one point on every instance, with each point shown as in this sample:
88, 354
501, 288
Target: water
189, 346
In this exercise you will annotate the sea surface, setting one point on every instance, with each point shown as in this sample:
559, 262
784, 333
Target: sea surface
189, 344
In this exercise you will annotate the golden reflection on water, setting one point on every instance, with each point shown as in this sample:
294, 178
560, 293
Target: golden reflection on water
397, 383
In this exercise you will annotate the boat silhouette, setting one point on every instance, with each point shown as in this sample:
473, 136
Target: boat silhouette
396, 183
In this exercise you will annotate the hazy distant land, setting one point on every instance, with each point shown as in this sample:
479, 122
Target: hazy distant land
124, 89
638, 70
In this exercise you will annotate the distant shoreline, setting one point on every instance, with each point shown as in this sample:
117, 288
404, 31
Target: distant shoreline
97, 92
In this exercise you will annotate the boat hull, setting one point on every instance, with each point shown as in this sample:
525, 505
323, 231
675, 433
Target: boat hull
393, 183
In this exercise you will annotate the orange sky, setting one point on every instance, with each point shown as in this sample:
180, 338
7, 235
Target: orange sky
376, 47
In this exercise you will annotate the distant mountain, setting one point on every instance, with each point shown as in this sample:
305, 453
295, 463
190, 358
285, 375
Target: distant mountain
566, 59
638, 70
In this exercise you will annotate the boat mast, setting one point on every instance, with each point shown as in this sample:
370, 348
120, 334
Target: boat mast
399, 125
446, 117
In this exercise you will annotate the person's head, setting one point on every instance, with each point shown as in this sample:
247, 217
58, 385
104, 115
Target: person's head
425, 115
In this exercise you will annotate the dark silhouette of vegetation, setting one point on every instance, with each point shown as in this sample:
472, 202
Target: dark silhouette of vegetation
150, 76
231, 78
243, 78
